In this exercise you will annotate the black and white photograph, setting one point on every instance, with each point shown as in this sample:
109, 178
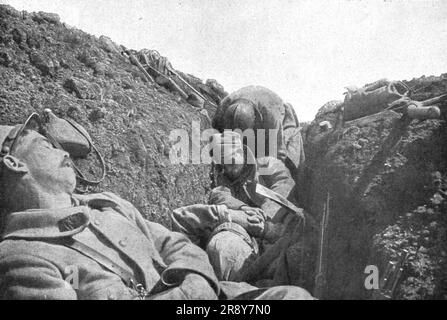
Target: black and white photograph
243, 151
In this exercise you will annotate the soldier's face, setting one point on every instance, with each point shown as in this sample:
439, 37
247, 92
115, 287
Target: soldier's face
234, 169
48, 166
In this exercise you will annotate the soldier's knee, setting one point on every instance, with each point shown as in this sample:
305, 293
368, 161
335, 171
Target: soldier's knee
229, 254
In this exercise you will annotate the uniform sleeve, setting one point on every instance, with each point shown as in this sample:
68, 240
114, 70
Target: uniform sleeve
222, 196
198, 221
279, 180
281, 151
273, 112
179, 254
290, 119
181, 257
27, 277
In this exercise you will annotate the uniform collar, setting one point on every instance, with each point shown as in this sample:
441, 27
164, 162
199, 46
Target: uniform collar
46, 223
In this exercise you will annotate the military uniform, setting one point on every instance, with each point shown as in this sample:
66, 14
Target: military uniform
235, 195
35, 261
230, 248
101, 247
275, 114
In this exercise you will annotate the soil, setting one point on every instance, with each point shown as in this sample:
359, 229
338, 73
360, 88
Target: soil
401, 207
46, 64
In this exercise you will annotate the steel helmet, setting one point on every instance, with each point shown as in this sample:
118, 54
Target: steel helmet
242, 114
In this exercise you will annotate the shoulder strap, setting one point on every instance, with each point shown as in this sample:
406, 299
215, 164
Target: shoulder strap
104, 261
275, 196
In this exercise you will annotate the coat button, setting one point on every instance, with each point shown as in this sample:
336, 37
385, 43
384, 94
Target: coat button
96, 222
123, 242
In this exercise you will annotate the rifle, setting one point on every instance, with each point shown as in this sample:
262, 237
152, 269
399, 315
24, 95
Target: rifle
320, 277
137, 63
422, 110
354, 110
410, 110
191, 87
142, 67
171, 82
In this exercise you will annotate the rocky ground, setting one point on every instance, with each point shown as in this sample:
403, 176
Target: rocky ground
403, 206
45, 64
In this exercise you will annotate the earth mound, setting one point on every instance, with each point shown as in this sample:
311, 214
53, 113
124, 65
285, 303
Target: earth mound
380, 208
46, 64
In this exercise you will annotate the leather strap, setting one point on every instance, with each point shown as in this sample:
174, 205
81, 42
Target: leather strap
104, 261
81, 176
274, 196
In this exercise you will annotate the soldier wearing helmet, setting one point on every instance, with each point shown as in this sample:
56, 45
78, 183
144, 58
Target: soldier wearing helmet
259, 108
239, 222
56, 244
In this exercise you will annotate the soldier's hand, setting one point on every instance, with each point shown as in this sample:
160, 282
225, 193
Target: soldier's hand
255, 219
254, 212
255, 229
251, 223
238, 216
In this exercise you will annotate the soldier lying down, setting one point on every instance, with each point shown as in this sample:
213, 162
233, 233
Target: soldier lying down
48, 232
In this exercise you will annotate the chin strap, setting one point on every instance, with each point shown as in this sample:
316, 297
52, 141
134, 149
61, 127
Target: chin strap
79, 174
9, 142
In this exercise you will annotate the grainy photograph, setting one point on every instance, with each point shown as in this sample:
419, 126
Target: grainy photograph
223, 150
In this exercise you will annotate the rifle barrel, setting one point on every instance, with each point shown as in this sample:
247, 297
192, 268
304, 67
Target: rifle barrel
191, 87
435, 100
320, 278
135, 61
